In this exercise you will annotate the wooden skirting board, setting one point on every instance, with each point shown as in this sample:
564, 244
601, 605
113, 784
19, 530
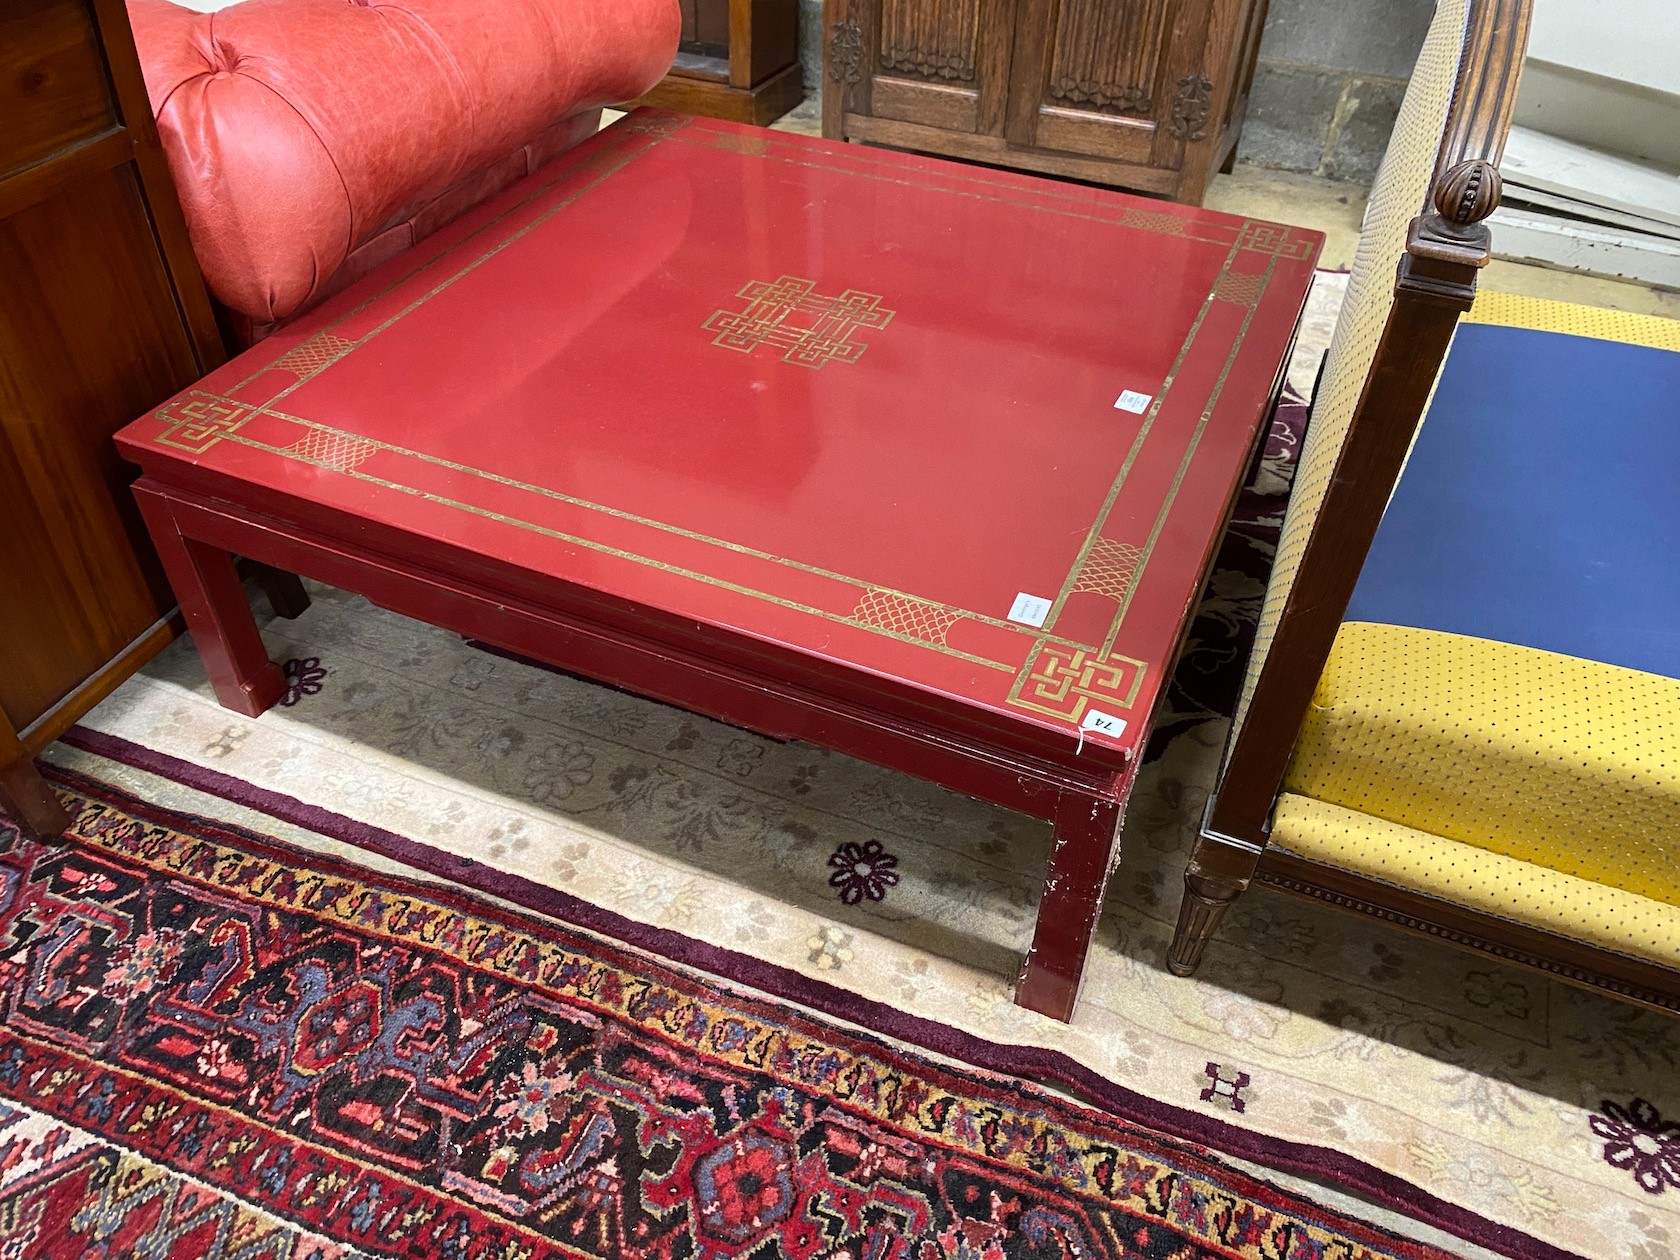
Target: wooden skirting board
1571, 244
1580, 209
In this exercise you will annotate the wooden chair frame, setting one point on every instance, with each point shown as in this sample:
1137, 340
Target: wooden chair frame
1436, 283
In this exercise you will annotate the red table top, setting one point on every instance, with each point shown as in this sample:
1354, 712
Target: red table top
848, 401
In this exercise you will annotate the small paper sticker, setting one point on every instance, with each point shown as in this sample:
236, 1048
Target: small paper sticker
1029, 610
1103, 723
1133, 401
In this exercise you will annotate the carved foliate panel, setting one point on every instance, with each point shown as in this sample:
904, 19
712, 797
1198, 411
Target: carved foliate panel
1190, 107
935, 40
1107, 53
845, 48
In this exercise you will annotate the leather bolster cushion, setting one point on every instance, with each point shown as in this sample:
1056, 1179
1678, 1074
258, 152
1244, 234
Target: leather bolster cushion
297, 130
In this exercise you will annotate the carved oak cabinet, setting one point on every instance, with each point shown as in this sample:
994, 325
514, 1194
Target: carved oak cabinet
1145, 94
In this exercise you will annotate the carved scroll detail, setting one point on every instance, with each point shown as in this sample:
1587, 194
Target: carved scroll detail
928, 65
1105, 55
930, 39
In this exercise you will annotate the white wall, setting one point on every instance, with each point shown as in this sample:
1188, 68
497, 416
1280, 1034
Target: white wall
1632, 41
1606, 73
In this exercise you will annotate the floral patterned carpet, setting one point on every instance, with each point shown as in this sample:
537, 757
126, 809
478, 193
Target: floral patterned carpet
1525, 1117
216, 1046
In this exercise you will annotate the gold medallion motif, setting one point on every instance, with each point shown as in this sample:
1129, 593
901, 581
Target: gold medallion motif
1109, 568
1160, 221
1242, 288
331, 450
808, 328
309, 357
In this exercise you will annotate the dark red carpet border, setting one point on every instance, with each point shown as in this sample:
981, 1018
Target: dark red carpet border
1029, 1062
209, 1021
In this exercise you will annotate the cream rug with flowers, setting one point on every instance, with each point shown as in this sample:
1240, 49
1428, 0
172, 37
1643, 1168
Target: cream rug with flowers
1525, 1115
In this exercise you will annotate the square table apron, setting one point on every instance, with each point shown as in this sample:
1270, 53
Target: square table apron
812, 414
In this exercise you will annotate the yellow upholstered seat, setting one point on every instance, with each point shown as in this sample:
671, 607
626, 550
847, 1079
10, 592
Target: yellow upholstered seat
1510, 798
1511, 310
1462, 875
1538, 787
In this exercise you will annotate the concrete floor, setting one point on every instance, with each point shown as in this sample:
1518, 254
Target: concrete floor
1336, 209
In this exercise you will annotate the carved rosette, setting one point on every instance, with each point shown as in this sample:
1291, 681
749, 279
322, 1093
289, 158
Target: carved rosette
845, 51
1190, 107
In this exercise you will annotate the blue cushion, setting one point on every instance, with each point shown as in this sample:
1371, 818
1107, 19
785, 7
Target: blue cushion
1541, 504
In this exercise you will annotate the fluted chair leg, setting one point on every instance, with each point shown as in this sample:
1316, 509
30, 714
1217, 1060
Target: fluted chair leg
1204, 905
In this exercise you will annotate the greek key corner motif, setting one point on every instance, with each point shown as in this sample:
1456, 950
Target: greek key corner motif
1274, 238
198, 422
1062, 681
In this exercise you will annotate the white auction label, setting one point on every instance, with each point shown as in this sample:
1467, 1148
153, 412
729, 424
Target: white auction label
1133, 401
1029, 610
1103, 723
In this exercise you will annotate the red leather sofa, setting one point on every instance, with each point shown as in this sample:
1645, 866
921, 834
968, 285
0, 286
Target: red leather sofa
310, 140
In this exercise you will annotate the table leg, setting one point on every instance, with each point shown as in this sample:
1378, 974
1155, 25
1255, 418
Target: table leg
284, 590
213, 602
1080, 852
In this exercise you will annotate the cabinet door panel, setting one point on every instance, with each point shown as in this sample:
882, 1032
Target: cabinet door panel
943, 63
1100, 77
931, 104
1094, 134
53, 91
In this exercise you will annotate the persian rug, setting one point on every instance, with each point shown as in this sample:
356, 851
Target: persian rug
1526, 1117
217, 1045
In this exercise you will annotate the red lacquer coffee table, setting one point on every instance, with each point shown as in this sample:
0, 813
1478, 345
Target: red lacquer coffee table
921, 462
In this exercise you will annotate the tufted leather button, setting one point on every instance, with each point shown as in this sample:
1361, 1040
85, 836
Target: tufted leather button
223, 60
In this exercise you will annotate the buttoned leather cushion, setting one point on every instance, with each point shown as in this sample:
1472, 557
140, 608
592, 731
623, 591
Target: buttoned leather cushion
304, 133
